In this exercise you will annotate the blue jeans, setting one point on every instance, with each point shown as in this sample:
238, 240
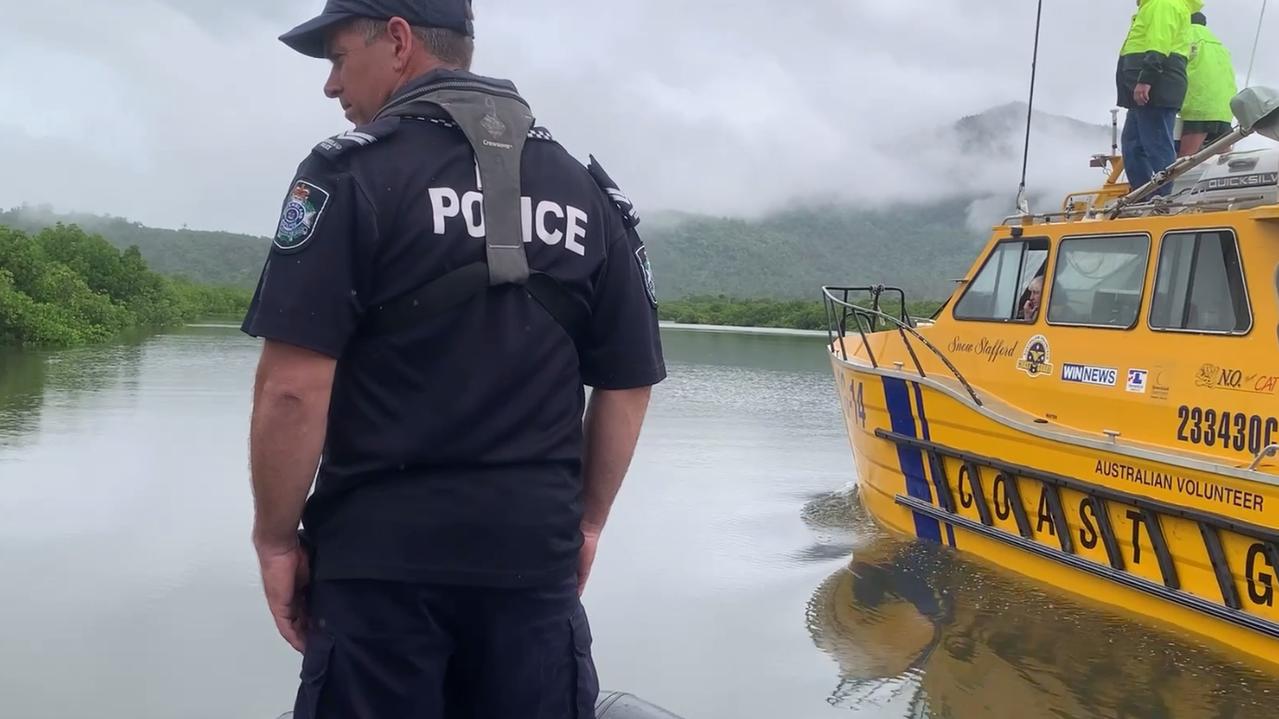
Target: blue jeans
1148, 145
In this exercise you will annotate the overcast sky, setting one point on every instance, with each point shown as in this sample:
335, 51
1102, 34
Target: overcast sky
176, 112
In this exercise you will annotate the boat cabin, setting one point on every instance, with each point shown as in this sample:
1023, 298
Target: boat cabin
1160, 326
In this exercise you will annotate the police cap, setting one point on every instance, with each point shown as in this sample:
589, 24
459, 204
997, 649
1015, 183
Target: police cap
309, 37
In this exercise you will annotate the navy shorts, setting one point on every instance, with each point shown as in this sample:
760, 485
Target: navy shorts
392, 650
1212, 129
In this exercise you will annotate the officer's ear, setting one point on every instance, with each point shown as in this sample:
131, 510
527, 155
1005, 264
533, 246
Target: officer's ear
400, 33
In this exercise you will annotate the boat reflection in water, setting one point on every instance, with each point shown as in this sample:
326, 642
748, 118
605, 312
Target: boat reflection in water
921, 632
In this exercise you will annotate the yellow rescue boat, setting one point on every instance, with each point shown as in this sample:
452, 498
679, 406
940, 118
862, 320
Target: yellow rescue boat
1097, 405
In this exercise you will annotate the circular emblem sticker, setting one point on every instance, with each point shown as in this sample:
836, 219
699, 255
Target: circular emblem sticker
1036, 358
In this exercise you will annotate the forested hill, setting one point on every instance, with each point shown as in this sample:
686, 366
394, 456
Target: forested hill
787, 255
792, 254
920, 244
213, 258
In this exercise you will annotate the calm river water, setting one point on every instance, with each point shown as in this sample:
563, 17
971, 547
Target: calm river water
738, 578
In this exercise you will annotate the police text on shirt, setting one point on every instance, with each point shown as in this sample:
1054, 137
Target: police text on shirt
552, 223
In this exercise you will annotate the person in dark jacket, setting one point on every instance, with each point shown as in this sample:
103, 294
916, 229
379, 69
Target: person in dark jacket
1151, 83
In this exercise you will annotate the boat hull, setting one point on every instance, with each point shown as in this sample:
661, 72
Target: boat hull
1173, 541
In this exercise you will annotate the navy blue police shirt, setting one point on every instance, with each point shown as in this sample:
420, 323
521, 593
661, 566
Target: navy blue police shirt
453, 451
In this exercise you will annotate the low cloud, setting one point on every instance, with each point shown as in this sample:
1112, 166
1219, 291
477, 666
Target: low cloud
179, 112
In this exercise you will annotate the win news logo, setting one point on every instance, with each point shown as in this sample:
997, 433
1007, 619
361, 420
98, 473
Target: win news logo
1087, 374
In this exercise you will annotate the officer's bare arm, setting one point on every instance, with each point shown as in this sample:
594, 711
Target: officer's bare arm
612, 427
290, 416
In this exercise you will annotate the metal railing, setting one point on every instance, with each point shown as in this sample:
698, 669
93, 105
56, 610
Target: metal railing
1264, 454
839, 310
1159, 206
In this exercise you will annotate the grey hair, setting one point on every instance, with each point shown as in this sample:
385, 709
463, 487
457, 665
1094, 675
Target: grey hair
448, 46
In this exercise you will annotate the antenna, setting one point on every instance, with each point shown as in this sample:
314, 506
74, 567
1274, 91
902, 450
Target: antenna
1255, 40
1114, 131
1023, 205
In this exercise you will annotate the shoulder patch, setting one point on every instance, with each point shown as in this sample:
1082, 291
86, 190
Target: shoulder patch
646, 268
302, 211
362, 136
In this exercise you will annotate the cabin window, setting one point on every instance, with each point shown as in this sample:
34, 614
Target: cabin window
1099, 280
1000, 291
1199, 286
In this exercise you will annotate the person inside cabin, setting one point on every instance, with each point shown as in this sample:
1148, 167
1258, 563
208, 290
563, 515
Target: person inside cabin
1205, 114
1151, 82
1033, 296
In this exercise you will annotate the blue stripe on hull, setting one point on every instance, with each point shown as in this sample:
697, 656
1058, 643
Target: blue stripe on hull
897, 396
923, 425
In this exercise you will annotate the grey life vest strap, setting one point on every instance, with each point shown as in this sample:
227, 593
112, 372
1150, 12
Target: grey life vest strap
497, 127
463, 285
496, 123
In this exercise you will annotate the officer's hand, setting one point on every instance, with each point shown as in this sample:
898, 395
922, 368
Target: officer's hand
1141, 93
286, 572
590, 543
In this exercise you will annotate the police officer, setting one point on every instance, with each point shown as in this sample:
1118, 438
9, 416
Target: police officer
445, 279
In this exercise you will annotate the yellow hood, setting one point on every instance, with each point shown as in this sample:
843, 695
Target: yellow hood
1192, 6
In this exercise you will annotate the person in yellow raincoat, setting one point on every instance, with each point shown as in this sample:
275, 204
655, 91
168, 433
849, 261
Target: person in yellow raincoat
1205, 114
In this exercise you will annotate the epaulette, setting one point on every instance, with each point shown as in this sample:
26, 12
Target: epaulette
362, 136
615, 194
535, 133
